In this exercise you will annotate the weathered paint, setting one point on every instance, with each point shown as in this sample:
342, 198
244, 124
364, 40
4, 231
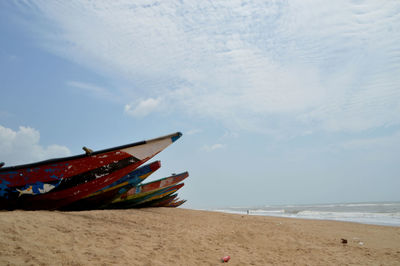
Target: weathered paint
37, 188
4, 188
81, 175
70, 166
158, 195
159, 202
151, 187
103, 196
56, 199
132, 179
136, 202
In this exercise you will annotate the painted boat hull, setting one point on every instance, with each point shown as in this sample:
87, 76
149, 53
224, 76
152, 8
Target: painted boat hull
79, 176
137, 202
131, 180
158, 195
158, 202
58, 199
148, 188
97, 199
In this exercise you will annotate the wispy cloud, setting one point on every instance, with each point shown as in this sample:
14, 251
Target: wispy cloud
22, 146
93, 90
213, 147
271, 67
143, 107
193, 132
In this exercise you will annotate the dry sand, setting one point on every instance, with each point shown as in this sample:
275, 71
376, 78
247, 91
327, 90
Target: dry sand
166, 236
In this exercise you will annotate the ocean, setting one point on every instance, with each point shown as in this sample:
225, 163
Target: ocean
379, 213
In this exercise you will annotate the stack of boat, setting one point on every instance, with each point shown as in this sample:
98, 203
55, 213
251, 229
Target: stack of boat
106, 179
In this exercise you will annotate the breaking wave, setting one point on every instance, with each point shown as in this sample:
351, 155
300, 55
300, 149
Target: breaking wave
368, 213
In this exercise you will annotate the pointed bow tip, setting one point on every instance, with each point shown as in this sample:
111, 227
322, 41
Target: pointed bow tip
155, 165
176, 136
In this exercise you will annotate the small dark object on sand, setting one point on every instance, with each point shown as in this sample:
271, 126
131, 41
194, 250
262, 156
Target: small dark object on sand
344, 241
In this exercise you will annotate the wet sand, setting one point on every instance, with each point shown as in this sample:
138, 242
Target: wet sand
167, 236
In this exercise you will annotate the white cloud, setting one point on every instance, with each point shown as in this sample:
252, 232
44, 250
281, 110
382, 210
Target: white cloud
93, 90
22, 146
143, 107
271, 67
214, 147
193, 132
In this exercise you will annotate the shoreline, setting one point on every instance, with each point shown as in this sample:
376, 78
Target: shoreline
378, 213
301, 218
178, 236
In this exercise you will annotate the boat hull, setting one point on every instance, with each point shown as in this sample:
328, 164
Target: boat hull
159, 202
148, 188
139, 201
78, 176
97, 199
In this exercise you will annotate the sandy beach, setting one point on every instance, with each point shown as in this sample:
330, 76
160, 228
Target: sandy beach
167, 236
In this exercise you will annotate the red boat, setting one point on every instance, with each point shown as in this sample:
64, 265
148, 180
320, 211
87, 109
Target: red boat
74, 177
105, 195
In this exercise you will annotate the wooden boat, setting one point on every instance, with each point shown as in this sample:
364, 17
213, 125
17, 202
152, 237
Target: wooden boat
160, 202
168, 201
130, 180
104, 195
141, 191
137, 202
76, 176
160, 194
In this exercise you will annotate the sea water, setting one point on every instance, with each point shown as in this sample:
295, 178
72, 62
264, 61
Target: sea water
380, 213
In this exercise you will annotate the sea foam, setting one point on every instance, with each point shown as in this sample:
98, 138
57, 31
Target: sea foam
379, 213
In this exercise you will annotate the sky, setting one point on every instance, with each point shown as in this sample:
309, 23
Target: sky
279, 102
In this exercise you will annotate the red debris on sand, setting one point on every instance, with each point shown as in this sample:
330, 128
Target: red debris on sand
225, 259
